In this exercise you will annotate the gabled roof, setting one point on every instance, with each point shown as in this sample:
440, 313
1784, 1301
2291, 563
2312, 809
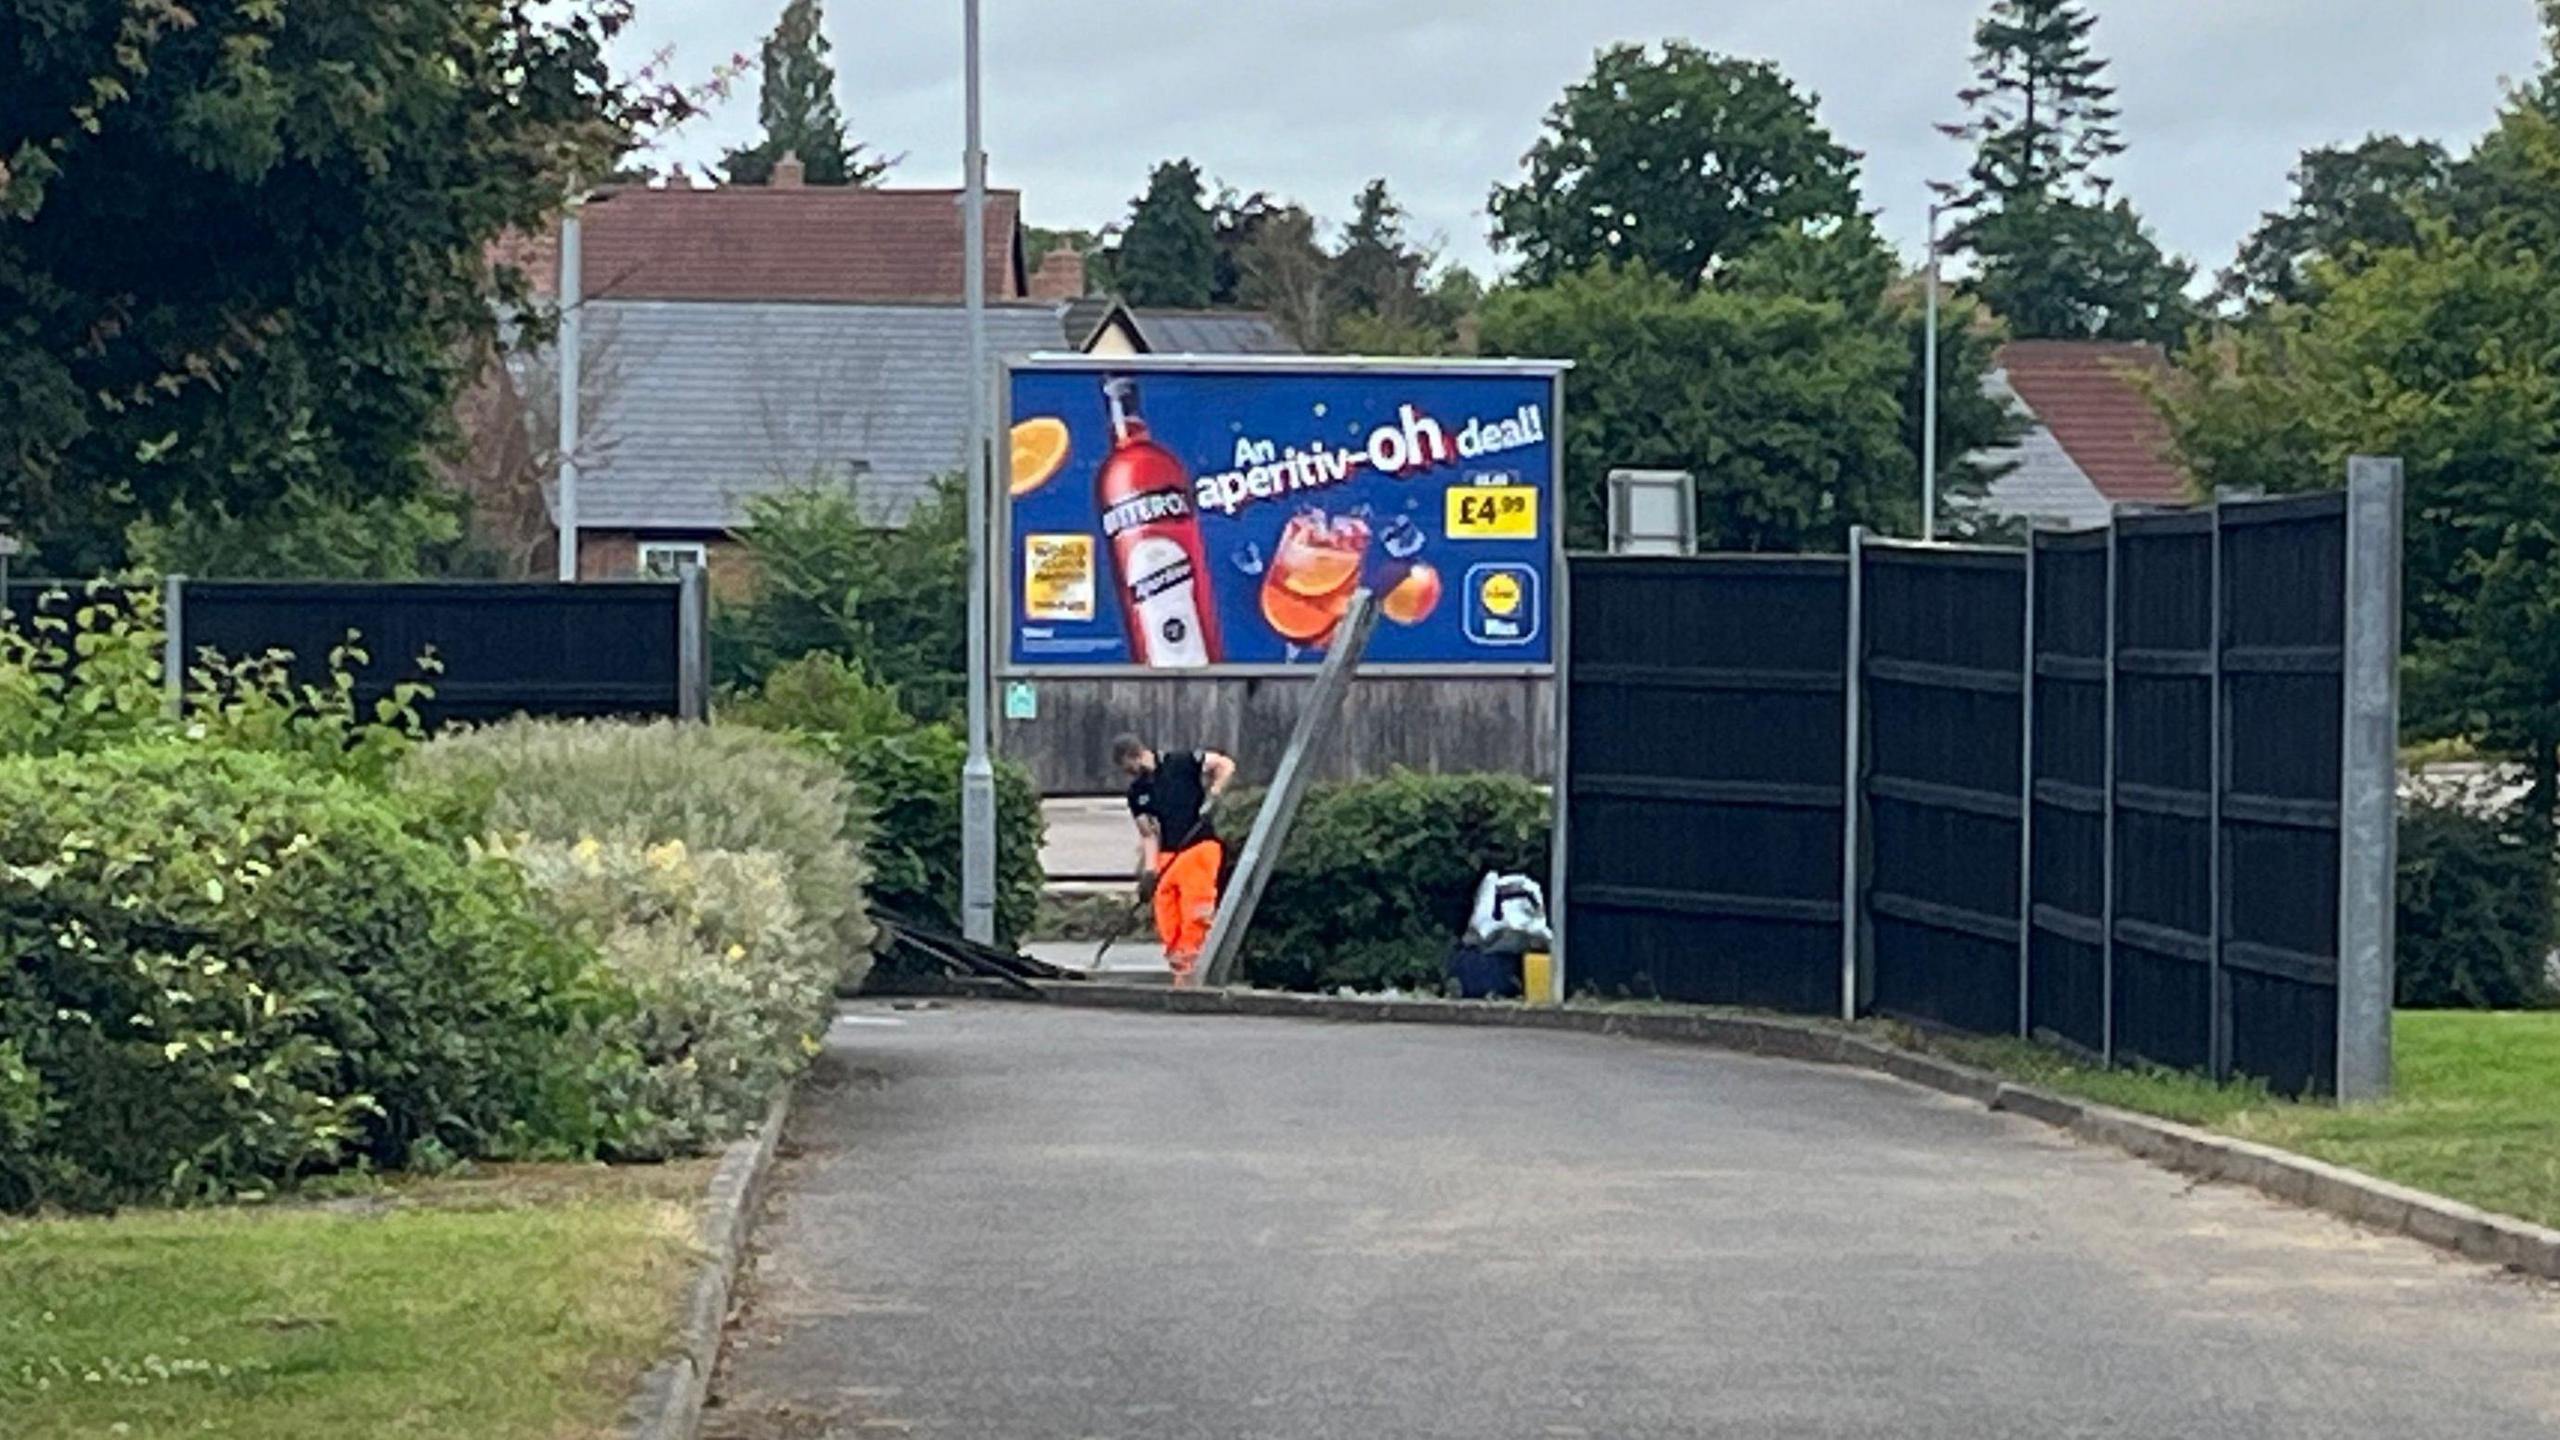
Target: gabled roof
846, 244
2097, 440
1178, 332
697, 406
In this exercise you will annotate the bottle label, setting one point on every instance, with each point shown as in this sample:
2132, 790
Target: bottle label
1166, 604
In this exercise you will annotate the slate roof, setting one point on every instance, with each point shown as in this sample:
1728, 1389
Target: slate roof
815, 243
1180, 332
2097, 441
695, 407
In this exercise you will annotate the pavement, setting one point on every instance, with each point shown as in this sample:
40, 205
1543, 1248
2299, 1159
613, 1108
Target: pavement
1089, 838
1009, 1222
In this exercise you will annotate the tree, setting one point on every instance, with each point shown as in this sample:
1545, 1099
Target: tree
1375, 272
245, 247
2057, 260
799, 111
1786, 409
1681, 161
1283, 271
1169, 254
2064, 270
2348, 204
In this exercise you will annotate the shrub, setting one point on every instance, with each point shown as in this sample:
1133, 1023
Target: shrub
835, 575
2475, 907
1374, 886
909, 776
230, 971
715, 788
730, 986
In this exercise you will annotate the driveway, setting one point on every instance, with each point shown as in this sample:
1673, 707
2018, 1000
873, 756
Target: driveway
1005, 1222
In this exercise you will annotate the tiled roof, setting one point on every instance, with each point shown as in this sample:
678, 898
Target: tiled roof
1211, 332
843, 244
695, 407
2096, 442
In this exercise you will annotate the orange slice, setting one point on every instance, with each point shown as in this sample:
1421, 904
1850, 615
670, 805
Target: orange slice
1039, 452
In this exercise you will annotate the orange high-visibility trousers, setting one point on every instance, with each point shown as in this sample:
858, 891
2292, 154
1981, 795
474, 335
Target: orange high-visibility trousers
1186, 903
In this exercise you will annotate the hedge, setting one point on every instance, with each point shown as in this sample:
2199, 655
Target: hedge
231, 971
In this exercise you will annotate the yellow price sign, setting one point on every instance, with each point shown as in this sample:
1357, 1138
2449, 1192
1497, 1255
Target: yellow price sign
1493, 512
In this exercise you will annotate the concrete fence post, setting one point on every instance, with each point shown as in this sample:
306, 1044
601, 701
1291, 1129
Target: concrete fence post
173, 644
1853, 786
693, 644
2368, 789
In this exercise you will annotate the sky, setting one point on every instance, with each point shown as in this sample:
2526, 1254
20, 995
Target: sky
1310, 98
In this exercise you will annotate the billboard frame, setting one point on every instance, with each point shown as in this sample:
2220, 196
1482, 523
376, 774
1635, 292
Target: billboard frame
1000, 526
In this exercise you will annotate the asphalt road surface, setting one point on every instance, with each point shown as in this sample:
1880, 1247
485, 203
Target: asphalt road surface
1003, 1222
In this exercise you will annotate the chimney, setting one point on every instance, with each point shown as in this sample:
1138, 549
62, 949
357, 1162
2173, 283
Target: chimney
788, 172
1060, 277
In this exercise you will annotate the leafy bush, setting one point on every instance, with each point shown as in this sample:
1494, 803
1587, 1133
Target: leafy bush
909, 776
730, 984
836, 576
84, 671
229, 971
715, 788
2475, 907
1374, 886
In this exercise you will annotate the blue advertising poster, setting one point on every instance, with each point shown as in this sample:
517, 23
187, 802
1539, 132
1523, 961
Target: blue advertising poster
1184, 519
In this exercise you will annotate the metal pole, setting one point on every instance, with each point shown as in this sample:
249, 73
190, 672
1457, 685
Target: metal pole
573, 330
1288, 787
1929, 399
2368, 837
978, 774
2218, 734
1852, 775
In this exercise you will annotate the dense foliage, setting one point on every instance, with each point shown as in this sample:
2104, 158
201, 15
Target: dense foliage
232, 971
1168, 256
798, 108
1681, 161
1375, 884
835, 577
245, 246
2475, 908
2054, 257
906, 775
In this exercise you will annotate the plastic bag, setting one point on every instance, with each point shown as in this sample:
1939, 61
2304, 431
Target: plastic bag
1510, 916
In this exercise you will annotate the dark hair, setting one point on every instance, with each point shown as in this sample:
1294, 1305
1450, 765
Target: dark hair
1126, 748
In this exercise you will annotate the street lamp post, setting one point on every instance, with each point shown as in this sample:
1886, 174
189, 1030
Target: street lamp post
1929, 396
573, 321
978, 774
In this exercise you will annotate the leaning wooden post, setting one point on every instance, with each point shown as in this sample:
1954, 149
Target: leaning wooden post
1288, 787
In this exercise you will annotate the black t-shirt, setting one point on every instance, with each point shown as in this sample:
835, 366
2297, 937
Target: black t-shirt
1174, 793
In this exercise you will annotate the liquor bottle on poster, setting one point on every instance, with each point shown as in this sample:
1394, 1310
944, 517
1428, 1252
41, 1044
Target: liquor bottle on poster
1144, 494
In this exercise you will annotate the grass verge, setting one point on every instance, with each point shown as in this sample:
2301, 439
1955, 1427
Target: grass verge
521, 1304
2475, 1113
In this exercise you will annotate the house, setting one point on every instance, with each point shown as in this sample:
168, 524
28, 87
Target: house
2096, 441
744, 340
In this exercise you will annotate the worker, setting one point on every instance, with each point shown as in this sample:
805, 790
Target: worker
1170, 797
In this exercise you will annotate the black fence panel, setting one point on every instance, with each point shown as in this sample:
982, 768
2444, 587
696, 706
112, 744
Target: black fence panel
500, 649
2164, 971
504, 649
1944, 725
2282, 643
1703, 798
2066, 937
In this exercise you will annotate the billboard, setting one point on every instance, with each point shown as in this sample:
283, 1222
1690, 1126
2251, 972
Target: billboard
1217, 515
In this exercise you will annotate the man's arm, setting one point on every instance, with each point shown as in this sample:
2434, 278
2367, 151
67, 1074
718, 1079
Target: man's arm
1150, 845
1216, 770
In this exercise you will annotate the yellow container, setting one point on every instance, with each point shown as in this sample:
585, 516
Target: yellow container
1538, 978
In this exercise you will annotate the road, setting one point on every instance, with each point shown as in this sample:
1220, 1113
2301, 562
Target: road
1013, 1223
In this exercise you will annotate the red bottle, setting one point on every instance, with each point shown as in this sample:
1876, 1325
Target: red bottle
1154, 532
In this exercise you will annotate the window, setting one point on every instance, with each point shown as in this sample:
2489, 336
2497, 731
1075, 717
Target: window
1652, 512
666, 559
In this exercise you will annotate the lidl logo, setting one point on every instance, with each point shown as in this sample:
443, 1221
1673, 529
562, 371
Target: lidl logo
1502, 604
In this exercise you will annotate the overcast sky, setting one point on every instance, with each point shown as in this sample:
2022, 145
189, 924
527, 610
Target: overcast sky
1308, 98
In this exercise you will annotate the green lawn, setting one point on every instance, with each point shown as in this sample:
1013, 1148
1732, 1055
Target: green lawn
2475, 1112
518, 1305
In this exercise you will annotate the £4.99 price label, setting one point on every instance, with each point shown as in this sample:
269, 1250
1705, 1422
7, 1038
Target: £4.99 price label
1493, 512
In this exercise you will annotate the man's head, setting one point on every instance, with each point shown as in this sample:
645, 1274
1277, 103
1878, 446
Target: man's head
1131, 757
